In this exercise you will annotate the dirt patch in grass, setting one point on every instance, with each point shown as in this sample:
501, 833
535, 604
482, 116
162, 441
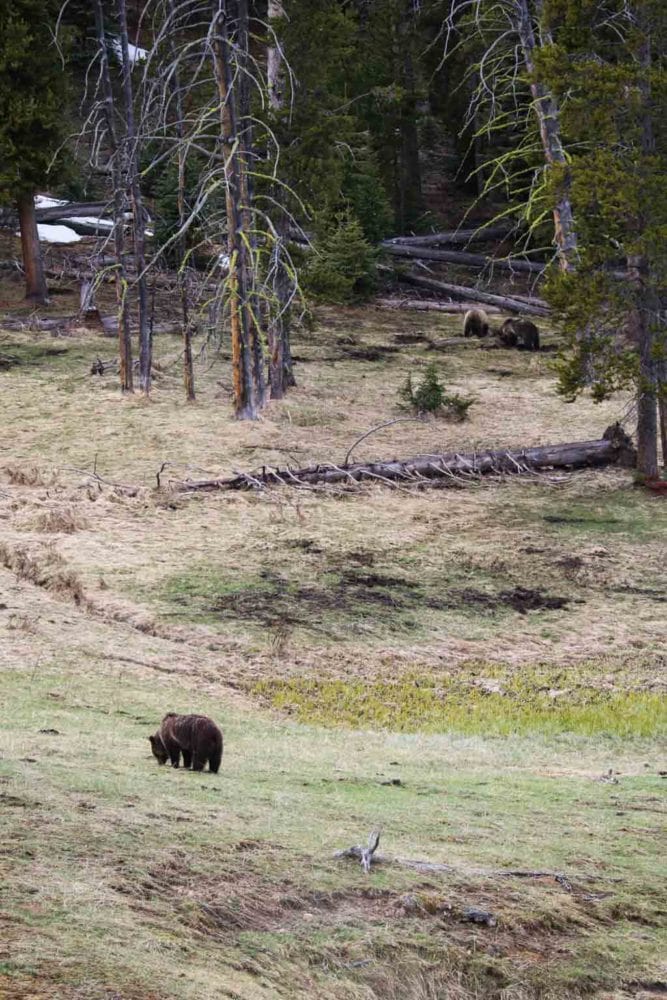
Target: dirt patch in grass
346, 592
520, 599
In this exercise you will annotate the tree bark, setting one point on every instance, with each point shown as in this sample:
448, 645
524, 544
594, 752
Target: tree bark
183, 283
124, 331
281, 369
615, 447
254, 313
647, 303
138, 212
245, 405
33, 266
534, 307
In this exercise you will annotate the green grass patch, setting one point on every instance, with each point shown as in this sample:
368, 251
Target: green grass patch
493, 702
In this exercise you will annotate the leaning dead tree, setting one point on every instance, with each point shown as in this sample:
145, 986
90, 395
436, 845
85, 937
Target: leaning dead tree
614, 448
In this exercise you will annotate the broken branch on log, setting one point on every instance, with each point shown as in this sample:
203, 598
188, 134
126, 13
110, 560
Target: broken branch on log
614, 448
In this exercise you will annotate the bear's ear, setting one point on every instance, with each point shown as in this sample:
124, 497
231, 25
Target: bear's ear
151, 740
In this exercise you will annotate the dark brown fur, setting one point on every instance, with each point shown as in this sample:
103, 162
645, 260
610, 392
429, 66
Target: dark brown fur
476, 323
195, 736
521, 333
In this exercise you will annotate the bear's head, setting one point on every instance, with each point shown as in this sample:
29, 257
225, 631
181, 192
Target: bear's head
158, 748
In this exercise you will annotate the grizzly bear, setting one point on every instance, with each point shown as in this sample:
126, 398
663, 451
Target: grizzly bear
476, 323
521, 333
195, 736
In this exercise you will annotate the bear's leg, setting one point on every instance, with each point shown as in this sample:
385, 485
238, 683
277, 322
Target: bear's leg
187, 758
198, 762
174, 752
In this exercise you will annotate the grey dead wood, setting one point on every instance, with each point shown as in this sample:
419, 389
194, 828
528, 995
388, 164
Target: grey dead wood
613, 448
533, 307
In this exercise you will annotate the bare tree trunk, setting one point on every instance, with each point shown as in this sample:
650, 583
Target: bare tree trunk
647, 304
547, 113
124, 333
35, 282
281, 369
183, 283
242, 358
647, 422
138, 212
252, 306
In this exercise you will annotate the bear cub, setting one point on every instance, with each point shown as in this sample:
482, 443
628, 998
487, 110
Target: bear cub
195, 736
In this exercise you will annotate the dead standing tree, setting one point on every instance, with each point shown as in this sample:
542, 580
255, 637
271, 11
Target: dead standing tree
131, 158
107, 105
281, 370
238, 238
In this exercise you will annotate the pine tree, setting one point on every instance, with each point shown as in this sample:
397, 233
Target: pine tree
611, 62
32, 93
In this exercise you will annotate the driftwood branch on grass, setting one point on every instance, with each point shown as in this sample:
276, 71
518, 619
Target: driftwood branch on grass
614, 448
368, 856
533, 307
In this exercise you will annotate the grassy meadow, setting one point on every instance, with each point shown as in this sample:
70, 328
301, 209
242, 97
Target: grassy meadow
477, 671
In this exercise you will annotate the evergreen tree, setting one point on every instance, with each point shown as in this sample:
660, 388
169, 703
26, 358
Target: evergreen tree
611, 62
32, 92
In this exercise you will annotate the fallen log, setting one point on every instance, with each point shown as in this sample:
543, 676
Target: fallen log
463, 259
424, 305
55, 213
614, 448
455, 237
533, 307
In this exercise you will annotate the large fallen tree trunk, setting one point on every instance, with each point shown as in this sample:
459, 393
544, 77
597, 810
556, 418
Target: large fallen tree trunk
463, 259
614, 448
55, 213
424, 305
533, 307
456, 237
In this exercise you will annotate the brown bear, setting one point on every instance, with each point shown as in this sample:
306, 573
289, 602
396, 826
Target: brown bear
195, 736
521, 333
476, 323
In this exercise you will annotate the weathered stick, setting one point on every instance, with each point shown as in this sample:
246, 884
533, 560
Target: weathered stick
614, 448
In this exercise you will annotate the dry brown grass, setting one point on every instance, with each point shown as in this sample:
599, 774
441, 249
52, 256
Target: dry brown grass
492, 537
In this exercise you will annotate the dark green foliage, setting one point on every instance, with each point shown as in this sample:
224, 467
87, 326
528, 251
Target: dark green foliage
32, 95
342, 267
430, 397
615, 78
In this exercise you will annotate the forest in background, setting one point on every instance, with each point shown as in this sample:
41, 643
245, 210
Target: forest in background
264, 156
